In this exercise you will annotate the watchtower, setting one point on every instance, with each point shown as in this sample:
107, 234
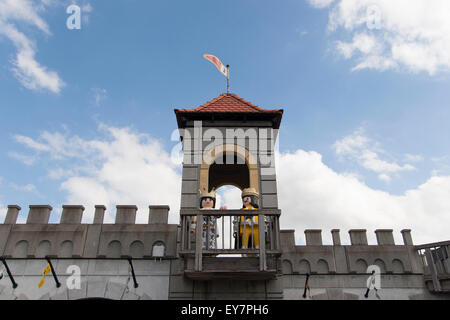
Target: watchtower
229, 141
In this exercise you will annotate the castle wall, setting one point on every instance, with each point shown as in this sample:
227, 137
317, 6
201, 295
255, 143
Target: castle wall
101, 251
341, 272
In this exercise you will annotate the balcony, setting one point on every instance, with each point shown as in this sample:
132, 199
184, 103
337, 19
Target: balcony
246, 248
436, 263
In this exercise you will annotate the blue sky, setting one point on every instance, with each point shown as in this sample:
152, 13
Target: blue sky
374, 111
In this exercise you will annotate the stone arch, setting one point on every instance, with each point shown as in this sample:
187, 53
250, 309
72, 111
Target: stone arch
114, 249
158, 249
380, 263
21, 249
361, 266
44, 248
286, 266
322, 266
304, 266
137, 249
397, 266
66, 249
239, 151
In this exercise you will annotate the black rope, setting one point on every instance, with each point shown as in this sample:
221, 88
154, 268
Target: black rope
132, 272
14, 284
58, 284
306, 286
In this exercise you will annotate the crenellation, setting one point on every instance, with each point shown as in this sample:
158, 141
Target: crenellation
158, 214
12, 214
407, 239
126, 214
358, 237
99, 214
336, 237
313, 237
39, 214
72, 214
287, 239
385, 237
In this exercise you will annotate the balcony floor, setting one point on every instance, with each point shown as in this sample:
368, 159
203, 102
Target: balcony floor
243, 268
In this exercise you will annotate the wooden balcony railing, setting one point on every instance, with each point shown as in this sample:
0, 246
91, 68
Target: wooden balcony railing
227, 232
436, 263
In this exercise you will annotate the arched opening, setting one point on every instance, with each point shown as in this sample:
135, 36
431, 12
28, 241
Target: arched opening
234, 173
229, 165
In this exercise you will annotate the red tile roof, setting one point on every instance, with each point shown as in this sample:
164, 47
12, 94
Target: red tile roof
228, 103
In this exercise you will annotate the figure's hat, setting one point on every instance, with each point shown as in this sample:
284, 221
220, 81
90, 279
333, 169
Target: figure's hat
205, 193
249, 192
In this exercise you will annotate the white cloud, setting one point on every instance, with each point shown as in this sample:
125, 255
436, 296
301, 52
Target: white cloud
413, 157
313, 196
121, 167
2, 213
28, 160
401, 34
357, 147
320, 3
27, 70
27, 188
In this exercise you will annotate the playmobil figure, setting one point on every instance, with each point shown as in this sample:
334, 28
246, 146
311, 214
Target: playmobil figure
209, 233
248, 225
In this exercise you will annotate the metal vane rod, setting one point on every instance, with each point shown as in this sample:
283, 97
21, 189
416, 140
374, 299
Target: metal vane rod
306, 285
58, 284
228, 79
132, 272
14, 284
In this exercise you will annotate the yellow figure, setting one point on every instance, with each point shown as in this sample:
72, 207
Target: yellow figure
248, 226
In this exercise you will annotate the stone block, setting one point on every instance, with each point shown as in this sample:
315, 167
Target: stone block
336, 237
269, 201
190, 173
384, 237
72, 214
189, 186
12, 214
189, 201
358, 237
39, 214
99, 214
269, 187
407, 239
158, 214
91, 246
287, 239
126, 214
313, 237
4, 235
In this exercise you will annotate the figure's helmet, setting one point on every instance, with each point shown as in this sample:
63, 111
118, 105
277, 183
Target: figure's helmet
249, 192
253, 194
205, 194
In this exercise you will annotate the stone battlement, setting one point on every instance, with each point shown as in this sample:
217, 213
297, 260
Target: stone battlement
73, 214
72, 239
358, 237
314, 257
